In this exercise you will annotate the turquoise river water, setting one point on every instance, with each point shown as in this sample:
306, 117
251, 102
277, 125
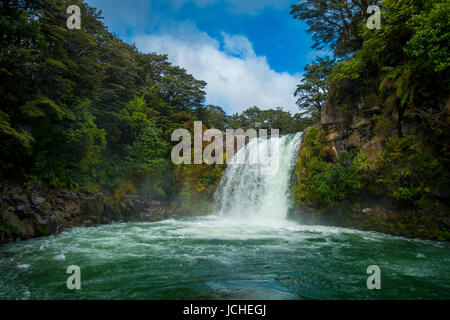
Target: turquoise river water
245, 249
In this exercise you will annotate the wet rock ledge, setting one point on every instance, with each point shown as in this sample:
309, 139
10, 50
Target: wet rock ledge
31, 211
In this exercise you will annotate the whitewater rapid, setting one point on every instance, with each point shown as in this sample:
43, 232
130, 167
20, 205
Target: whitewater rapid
245, 249
258, 189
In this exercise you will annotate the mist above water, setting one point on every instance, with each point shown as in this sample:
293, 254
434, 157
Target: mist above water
258, 189
246, 249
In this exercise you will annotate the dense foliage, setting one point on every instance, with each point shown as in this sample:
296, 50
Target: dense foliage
322, 181
406, 69
312, 93
255, 118
83, 109
334, 24
405, 171
402, 69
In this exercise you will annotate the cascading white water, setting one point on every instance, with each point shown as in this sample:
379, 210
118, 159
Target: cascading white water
250, 252
259, 187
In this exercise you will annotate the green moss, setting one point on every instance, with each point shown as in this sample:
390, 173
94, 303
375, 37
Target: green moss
198, 185
409, 173
10, 230
322, 180
39, 230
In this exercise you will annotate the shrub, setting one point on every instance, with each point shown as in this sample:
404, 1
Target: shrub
322, 183
408, 171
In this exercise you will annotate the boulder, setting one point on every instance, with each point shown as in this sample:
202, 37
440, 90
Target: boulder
43, 223
24, 227
3, 235
37, 201
106, 220
132, 206
30, 231
30, 211
34, 185
446, 220
54, 226
150, 216
88, 223
94, 206
360, 122
20, 209
20, 200
112, 212
6, 199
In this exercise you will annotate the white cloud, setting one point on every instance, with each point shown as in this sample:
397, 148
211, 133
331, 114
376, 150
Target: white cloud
237, 45
237, 78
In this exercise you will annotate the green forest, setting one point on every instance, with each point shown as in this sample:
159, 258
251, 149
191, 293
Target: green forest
383, 102
98, 198
81, 109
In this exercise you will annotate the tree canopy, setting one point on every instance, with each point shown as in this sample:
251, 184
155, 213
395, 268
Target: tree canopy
312, 92
334, 24
82, 108
79, 106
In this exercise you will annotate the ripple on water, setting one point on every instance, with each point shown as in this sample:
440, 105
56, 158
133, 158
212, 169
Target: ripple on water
209, 258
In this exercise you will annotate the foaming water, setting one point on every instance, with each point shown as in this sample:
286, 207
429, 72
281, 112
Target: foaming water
215, 258
245, 250
257, 190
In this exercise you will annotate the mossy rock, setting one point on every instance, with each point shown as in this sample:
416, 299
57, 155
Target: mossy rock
10, 230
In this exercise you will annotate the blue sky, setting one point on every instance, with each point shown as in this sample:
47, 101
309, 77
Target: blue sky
250, 52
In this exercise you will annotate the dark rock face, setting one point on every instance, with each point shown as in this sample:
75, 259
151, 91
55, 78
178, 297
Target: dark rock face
37, 201
354, 130
362, 127
31, 212
20, 227
334, 122
376, 215
158, 212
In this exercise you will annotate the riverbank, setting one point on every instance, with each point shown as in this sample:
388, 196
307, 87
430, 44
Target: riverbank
32, 211
215, 257
378, 215
349, 173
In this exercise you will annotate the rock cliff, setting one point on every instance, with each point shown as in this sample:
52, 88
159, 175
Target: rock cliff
355, 169
31, 211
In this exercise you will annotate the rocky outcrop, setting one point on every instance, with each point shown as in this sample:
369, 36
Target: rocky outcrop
355, 130
375, 214
363, 130
31, 211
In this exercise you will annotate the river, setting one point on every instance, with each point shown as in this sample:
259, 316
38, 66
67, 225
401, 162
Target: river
245, 249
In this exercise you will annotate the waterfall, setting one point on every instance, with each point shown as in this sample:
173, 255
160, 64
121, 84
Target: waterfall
259, 187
